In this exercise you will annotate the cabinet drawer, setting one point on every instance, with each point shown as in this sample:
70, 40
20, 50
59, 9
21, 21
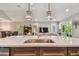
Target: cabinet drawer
25, 51
53, 51
73, 51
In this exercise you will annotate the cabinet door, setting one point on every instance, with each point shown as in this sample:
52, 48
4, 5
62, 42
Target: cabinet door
29, 51
73, 51
4, 51
55, 51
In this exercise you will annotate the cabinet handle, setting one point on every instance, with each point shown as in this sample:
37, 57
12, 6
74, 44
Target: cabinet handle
25, 54
54, 54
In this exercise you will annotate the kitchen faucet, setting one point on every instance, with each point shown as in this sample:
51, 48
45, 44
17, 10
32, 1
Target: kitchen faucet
39, 36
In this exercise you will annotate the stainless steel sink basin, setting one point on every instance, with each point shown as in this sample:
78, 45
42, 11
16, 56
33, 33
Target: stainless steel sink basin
39, 41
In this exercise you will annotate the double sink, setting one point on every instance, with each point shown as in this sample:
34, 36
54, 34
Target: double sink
39, 41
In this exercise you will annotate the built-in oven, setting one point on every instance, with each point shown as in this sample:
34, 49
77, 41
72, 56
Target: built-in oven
43, 30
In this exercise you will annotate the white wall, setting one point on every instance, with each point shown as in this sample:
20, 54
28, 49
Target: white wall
6, 26
75, 32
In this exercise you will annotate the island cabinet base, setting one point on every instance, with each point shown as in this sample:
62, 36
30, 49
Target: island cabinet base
25, 51
36, 51
39, 51
54, 51
73, 51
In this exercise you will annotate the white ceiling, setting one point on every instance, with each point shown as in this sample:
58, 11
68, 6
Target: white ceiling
17, 11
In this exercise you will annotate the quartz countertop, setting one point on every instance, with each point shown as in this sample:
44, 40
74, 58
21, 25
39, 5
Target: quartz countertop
18, 41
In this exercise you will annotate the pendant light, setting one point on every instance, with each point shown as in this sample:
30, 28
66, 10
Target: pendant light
49, 12
28, 16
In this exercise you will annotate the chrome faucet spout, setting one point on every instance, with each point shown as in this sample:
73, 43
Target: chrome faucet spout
39, 37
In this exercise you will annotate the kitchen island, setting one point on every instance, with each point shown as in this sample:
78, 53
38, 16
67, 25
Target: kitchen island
61, 47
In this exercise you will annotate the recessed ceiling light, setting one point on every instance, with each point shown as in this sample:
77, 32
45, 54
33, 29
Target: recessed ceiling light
67, 10
18, 6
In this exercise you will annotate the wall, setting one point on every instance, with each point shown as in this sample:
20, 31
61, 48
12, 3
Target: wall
75, 32
52, 27
11, 26
6, 26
